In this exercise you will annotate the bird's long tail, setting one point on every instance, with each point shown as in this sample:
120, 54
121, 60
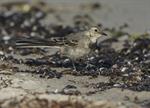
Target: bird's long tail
34, 42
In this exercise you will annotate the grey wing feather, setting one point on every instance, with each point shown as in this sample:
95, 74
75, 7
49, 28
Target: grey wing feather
70, 40
73, 39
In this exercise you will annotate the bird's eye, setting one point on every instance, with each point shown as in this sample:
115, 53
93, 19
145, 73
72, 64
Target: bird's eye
96, 30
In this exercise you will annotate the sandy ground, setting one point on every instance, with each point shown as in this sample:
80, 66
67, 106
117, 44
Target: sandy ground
113, 13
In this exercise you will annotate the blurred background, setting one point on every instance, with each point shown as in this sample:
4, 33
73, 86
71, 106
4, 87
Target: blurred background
112, 13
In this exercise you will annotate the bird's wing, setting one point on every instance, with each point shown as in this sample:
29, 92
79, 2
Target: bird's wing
73, 39
70, 40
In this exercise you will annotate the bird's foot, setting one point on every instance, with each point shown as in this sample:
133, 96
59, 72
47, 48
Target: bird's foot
74, 70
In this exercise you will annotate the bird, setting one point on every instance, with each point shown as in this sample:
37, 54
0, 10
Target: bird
73, 46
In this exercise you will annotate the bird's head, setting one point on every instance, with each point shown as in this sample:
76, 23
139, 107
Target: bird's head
94, 33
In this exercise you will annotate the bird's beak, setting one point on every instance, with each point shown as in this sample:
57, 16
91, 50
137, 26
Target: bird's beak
104, 34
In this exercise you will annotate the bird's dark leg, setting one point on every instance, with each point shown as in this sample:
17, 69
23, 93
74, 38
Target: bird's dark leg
87, 63
73, 65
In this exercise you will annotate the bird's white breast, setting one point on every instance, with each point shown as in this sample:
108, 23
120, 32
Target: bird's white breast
78, 52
